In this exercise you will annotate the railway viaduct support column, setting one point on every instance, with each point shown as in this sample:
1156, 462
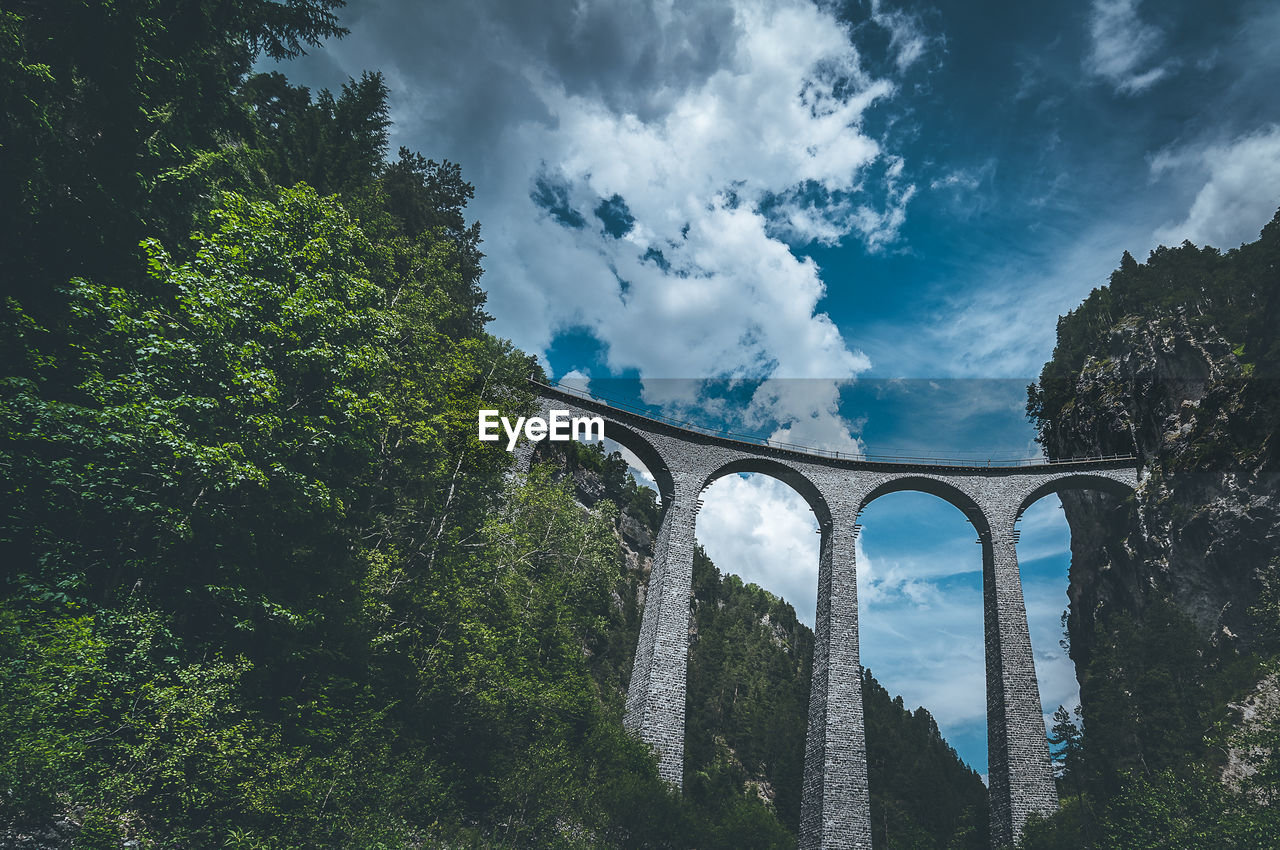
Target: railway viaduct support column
1020, 775
656, 695
835, 810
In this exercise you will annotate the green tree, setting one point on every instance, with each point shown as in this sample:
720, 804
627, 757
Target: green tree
1067, 746
107, 108
214, 419
1155, 691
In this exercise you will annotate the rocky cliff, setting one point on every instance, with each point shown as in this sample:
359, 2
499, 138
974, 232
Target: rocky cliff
1176, 361
1204, 528
1174, 589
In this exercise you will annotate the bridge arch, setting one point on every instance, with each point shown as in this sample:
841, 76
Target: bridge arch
1076, 481
645, 451
949, 493
789, 475
647, 454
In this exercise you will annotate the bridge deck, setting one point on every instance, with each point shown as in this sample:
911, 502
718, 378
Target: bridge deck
808, 454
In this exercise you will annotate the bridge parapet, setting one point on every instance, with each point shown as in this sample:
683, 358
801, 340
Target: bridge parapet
646, 419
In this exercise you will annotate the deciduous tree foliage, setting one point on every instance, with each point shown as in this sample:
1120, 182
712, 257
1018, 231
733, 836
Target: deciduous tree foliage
262, 585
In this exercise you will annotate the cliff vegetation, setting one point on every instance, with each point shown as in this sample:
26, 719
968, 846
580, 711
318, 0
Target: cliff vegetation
1175, 591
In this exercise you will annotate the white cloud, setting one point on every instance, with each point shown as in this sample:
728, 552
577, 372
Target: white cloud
1240, 192
925, 642
576, 381
1004, 327
1045, 533
909, 40
760, 529
993, 317
726, 298
920, 608
1121, 47
959, 180
960, 188
729, 129
823, 427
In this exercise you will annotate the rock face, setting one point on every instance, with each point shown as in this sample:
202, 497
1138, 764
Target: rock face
1203, 530
1258, 713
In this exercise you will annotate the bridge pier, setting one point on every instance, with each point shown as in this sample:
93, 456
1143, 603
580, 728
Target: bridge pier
835, 810
656, 695
1020, 775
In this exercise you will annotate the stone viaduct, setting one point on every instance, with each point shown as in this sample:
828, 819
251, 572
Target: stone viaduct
835, 809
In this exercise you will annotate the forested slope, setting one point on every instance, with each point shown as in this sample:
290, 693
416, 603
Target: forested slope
1176, 591
261, 586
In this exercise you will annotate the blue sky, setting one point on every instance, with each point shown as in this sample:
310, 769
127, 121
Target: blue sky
764, 214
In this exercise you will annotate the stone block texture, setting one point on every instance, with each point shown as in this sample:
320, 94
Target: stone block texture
836, 807
656, 696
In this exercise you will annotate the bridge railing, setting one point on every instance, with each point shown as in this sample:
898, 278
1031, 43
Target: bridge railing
976, 458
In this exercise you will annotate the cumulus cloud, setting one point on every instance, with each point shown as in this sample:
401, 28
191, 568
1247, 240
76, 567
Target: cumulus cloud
1122, 46
822, 426
696, 286
760, 529
1240, 190
642, 170
576, 381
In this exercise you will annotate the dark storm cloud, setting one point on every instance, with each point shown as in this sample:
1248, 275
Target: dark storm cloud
632, 56
458, 70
